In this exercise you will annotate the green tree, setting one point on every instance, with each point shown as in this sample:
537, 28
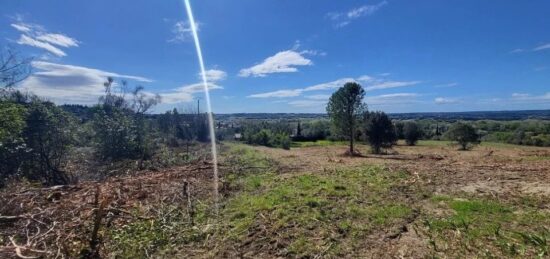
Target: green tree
48, 136
463, 134
12, 145
345, 108
121, 129
379, 131
411, 133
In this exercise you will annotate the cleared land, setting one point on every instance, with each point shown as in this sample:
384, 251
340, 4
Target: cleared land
423, 201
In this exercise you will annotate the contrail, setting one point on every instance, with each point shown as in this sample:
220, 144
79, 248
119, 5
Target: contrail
207, 95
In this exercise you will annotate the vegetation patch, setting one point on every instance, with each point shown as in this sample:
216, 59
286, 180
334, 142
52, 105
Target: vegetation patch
314, 214
488, 228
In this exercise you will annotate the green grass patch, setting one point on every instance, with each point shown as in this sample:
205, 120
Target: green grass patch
143, 238
318, 143
316, 214
488, 228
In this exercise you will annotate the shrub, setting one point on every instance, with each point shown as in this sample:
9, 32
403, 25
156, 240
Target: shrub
379, 131
411, 133
48, 135
463, 134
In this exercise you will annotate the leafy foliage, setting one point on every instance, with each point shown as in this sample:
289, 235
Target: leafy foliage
464, 134
345, 108
380, 131
411, 133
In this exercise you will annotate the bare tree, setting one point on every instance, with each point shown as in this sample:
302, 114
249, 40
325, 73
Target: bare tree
13, 68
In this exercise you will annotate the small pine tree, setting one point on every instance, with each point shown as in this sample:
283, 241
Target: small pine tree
345, 108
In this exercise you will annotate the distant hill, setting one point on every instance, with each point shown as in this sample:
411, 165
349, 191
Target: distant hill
84, 113
476, 115
473, 115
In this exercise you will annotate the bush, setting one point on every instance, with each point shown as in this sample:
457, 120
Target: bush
12, 145
411, 133
464, 134
115, 133
379, 131
48, 135
265, 137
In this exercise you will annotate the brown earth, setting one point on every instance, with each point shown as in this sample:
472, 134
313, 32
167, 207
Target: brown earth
59, 221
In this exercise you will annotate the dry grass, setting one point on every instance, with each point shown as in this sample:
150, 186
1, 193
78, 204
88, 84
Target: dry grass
424, 201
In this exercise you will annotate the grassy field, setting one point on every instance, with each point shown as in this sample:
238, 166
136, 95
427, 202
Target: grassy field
426, 201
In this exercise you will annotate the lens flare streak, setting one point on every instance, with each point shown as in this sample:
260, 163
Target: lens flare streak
207, 96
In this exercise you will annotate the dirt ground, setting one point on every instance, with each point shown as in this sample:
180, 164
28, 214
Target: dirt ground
59, 221
487, 169
499, 172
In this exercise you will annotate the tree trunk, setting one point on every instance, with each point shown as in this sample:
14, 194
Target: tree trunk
351, 139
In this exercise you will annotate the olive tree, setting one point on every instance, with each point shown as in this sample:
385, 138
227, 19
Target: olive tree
463, 134
379, 131
411, 133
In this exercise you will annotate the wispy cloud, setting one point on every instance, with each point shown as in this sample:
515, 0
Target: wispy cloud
369, 83
70, 84
35, 35
320, 101
185, 93
387, 99
447, 85
283, 62
83, 85
181, 31
542, 47
524, 97
445, 100
29, 41
307, 103
341, 19
318, 97
278, 94
213, 75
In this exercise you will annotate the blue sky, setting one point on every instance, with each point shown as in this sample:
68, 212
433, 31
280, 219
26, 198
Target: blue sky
289, 56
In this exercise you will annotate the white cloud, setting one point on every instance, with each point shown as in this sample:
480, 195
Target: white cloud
307, 103
445, 100
386, 99
447, 85
282, 62
390, 84
76, 84
330, 85
21, 27
278, 94
542, 47
342, 19
70, 84
185, 92
182, 32
517, 51
58, 39
520, 95
214, 75
26, 40
369, 83
36, 36
318, 97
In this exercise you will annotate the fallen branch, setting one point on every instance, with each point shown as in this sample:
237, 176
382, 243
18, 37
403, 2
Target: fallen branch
20, 254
